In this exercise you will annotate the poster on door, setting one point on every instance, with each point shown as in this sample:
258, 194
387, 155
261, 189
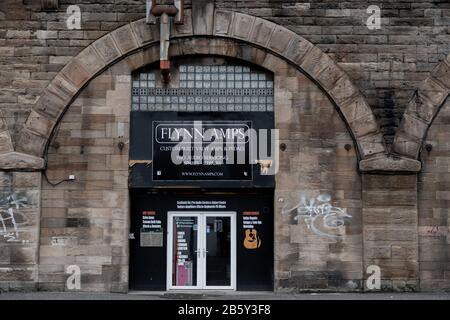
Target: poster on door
151, 232
250, 222
150, 222
185, 235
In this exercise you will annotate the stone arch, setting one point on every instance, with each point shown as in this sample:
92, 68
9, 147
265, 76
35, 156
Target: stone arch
251, 39
421, 111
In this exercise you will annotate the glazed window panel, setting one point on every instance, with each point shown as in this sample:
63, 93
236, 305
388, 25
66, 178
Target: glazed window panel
204, 88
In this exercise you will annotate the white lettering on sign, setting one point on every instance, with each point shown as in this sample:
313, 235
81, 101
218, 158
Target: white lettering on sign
201, 204
250, 219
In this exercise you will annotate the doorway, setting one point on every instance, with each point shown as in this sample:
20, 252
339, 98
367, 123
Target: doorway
201, 250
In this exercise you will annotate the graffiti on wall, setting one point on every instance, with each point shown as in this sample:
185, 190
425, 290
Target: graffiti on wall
9, 226
438, 233
319, 215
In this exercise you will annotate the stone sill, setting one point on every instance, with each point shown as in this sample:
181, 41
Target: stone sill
390, 164
17, 161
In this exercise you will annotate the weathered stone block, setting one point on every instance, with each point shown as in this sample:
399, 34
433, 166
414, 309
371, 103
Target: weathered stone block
31, 143
49, 4
364, 125
404, 145
413, 126
90, 60
23, 255
390, 234
371, 144
298, 49
184, 29
329, 73
107, 49
17, 274
433, 91
442, 73
280, 39
62, 88
3, 125
355, 109
242, 25
262, 30
27, 180
144, 33
202, 17
75, 73
311, 61
422, 108
223, 22
124, 38
16, 160
50, 104
343, 89
5, 142
40, 124
390, 163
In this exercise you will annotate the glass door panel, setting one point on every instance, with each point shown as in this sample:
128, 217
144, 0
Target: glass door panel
218, 251
184, 251
201, 251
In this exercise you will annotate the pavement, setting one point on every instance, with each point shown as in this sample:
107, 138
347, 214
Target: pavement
220, 296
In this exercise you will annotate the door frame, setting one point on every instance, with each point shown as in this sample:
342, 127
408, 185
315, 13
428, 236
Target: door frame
201, 244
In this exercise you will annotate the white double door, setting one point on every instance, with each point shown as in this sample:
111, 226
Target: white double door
201, 250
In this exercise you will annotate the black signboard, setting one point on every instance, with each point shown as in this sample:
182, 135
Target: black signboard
201, 150
196, 149
253, 209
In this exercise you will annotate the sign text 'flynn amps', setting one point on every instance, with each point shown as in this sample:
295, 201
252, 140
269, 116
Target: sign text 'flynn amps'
219, 150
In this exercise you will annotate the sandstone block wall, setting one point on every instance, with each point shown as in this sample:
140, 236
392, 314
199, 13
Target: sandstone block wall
399, 220
434, 204
86, 222
20, 198
386, 64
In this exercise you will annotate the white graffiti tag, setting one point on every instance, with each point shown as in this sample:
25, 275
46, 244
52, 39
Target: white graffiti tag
319, 215
7, 216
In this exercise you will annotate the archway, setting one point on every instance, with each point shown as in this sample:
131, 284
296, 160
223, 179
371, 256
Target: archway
422, 110
229, 34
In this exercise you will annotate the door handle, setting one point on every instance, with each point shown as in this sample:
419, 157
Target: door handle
204, 253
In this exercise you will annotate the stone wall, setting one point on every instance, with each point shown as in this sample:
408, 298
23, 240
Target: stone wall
434, 204
19, 229
390, 229
396, 222
386, 64
314, 165
86, 222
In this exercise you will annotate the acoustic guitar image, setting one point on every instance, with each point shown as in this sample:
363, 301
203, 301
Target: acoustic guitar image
252, 240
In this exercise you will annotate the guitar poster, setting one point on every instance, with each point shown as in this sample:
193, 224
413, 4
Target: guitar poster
251, 219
